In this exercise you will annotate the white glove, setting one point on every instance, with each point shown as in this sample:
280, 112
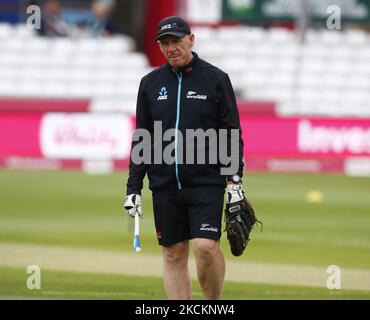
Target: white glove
235, 192
132, 205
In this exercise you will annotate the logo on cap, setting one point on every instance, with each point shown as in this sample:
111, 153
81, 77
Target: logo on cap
166, 26
169, 26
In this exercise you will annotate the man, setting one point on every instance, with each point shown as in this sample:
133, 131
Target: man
52, 25
101, 23
186, 93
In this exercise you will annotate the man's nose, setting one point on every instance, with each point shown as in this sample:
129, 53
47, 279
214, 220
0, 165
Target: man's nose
172, 47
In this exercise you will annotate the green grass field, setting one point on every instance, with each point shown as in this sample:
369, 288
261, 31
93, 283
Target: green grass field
72, 226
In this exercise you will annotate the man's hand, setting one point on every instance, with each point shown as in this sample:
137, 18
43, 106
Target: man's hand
240, 218
235, 192
132, 205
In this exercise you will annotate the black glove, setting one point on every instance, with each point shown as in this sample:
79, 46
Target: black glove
239, 219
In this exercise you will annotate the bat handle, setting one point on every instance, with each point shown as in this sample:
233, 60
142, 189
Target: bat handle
137, 243
137, 247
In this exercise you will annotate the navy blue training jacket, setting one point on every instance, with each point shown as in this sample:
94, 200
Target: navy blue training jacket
198, 96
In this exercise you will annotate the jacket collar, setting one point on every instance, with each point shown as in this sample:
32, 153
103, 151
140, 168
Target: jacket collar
188, 67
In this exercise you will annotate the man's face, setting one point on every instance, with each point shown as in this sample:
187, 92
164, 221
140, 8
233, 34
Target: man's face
53, 6
177, 51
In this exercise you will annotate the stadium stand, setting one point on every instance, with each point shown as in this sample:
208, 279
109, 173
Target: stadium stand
106, 70
327, 75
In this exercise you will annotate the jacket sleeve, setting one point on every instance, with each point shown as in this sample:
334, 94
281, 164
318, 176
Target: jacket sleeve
229, 118
143, 121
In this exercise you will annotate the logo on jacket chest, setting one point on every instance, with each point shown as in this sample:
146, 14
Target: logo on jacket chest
162, 94
194, 95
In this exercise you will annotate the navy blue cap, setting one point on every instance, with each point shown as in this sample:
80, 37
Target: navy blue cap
174, 26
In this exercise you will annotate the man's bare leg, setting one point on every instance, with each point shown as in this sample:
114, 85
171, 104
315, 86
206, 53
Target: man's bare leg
177, 282
210, 267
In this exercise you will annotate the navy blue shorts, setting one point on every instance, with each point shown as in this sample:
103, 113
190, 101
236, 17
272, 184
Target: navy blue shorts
188, 213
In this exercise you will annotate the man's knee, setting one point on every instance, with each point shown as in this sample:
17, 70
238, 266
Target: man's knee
177, 253
205, 249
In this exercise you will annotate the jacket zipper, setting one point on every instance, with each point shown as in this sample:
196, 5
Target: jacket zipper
179, 77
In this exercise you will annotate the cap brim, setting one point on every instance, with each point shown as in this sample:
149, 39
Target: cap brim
172, 33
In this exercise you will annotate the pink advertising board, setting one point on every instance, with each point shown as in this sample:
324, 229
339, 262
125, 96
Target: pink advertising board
292, 137
19, 134
271, 143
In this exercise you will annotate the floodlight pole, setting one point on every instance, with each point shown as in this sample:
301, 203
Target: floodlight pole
302, 19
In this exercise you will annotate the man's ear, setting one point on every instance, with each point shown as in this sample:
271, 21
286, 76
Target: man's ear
159, 45
192, 39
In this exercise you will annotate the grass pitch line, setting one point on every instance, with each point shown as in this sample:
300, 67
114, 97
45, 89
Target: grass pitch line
79, 260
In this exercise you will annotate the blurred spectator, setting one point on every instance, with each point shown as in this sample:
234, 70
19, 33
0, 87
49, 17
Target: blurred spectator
52, 24
101, 23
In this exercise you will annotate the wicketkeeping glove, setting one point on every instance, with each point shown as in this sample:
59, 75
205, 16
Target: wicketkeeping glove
239, 219
132, 204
